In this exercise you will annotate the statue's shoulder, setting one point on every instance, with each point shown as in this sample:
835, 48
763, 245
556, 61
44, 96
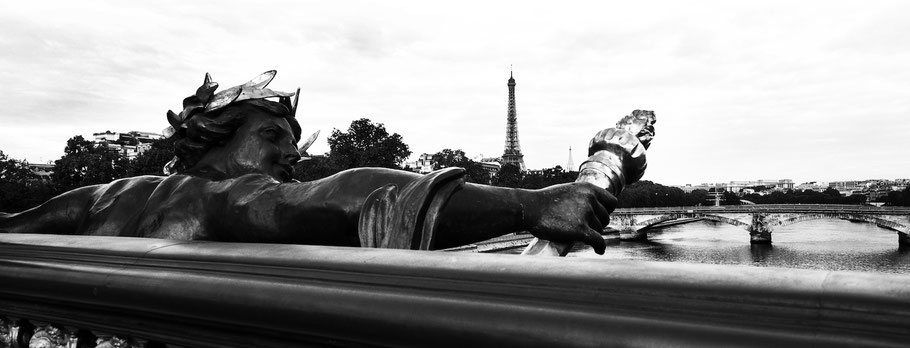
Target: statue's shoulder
188, 185
142, 180
144, 184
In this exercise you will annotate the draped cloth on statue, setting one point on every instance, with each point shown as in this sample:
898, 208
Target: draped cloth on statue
406, 217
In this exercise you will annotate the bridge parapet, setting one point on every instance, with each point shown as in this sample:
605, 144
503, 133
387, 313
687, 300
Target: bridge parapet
77, 289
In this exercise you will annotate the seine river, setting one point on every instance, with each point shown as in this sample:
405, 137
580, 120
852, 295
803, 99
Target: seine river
834, 245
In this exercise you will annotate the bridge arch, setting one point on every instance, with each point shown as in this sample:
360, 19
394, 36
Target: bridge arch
670, 217
663, 218
883, 223
726, 220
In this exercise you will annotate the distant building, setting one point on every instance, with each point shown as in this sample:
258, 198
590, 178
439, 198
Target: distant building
423, 164
773, 184
491, 167
129, 144
873, 189
43, 170
739, 186
849, 185
688, 188
813, 186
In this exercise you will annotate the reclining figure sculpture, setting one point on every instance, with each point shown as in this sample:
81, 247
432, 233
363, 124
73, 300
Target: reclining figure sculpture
231, 180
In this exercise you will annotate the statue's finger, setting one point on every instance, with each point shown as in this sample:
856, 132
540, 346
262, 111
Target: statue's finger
602, 214
595, 240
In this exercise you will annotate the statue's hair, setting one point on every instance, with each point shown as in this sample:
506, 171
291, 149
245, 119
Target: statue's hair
206, 130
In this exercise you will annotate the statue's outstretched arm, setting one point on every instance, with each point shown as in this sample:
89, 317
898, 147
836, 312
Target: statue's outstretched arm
106, 209
327, 211
569, 213
60, 215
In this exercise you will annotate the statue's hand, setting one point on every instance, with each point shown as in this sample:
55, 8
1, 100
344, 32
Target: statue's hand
575, 212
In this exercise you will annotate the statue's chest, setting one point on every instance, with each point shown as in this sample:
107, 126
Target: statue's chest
181, 218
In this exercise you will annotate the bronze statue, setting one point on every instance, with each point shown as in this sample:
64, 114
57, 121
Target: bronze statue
231, 181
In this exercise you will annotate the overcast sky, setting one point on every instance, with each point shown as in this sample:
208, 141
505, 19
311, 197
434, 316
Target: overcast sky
742, 90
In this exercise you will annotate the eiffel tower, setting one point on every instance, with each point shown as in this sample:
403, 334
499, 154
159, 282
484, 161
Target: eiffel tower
570, 167
512, 153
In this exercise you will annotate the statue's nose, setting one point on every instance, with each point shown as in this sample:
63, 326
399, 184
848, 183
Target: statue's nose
292, 157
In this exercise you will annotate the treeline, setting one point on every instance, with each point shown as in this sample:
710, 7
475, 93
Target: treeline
829, 196
363, 144
82, 164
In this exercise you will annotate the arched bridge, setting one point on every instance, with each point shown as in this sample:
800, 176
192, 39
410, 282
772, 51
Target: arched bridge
761, 220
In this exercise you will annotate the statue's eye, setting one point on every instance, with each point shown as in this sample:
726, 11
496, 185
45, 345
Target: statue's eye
270, 134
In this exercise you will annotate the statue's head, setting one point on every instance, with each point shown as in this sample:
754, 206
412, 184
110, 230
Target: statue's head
236, 131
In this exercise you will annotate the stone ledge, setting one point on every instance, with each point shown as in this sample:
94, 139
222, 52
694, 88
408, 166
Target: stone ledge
204, 294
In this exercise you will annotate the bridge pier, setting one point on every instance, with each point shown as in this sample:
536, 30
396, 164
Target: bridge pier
759, 232
903, 240
763, 237
628, 229
633, 234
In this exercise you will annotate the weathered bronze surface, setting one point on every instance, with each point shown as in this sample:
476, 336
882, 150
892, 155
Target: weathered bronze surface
616, 158
231, 180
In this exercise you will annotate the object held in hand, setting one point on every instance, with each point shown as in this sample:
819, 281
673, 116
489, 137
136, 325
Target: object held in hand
616, 157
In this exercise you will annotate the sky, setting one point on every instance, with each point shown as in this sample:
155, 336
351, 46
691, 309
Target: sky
742, 90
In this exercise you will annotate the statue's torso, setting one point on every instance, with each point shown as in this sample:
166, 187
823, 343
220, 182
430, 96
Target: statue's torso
114, 208
150, 206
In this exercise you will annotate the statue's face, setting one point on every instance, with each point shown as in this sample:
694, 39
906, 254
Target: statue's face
264, 144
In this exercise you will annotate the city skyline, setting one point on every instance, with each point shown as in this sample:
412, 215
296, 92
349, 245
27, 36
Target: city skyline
812, 91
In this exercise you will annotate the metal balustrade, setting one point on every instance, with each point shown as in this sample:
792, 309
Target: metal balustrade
150, 292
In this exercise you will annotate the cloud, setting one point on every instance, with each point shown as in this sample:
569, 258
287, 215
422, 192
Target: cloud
742, 90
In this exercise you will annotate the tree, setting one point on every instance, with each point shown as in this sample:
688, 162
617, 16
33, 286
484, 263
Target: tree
548, 177
83, 164
649, 194
474, 171
832, 192
730, 198
317, 167
450, 158
366, 144
152, 161
20, 188
509, 176
696, 197
895, 198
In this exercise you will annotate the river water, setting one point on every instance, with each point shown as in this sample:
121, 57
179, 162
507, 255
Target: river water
833, 245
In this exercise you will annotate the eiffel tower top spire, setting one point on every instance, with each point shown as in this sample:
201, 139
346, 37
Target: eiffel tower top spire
512, 153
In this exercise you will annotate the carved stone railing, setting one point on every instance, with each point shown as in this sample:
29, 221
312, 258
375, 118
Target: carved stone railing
151, 292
